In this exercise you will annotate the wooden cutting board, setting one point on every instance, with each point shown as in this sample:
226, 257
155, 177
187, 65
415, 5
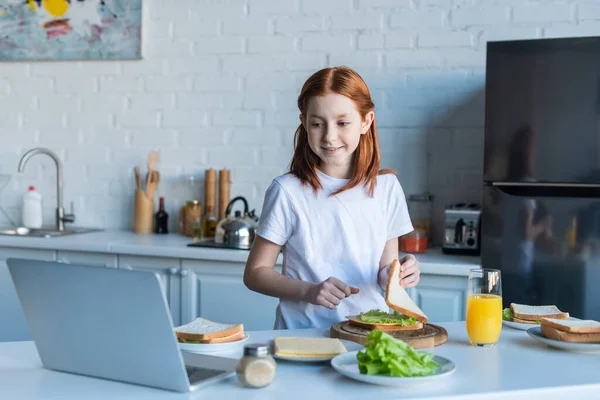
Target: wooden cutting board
430, 336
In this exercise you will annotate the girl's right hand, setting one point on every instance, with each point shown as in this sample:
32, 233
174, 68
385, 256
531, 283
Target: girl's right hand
329, 293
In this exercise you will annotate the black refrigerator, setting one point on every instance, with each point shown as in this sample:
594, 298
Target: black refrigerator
540, 222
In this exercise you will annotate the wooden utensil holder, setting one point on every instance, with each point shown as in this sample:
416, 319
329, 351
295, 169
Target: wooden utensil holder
144, 213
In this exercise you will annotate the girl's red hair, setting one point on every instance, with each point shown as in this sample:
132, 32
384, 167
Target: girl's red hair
366, 160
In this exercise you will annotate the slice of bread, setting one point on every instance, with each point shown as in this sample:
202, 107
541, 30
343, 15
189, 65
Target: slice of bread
536, 313
397, 298
552, 333
355, 320
572, 325
303, 347
203, 329
524, 321
227, 339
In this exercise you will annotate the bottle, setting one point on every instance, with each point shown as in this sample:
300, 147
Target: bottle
32, 209
161, 218
256, 368
209, 225
196, 228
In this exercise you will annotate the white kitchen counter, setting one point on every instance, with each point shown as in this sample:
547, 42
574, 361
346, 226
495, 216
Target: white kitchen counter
175, 246
518, 367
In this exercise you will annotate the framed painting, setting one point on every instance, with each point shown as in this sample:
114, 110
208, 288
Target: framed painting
70, 30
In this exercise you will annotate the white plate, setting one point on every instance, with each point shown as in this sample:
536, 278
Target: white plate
347, 364
212, 348
350, 346
518, 325
536, 333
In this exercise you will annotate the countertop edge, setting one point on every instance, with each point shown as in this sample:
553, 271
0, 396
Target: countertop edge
434, 261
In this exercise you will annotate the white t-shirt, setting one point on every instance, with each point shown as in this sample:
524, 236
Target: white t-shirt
341, 236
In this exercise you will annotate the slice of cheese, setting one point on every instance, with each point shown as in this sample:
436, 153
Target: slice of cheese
307, 347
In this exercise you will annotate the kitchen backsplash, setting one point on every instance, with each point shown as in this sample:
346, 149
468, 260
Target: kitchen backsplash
218, 84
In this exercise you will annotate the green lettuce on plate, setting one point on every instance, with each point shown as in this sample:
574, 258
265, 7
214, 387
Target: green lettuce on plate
382, 317
507, 314
386, 355
188, 341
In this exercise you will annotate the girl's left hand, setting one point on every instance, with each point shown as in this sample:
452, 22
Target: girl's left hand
409, 271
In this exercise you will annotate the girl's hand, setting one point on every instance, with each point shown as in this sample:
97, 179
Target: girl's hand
409, 271
329, 293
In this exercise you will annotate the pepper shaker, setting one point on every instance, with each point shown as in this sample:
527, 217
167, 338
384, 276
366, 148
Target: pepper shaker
256, 368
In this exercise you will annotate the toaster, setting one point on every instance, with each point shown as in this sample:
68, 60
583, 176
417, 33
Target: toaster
462, 231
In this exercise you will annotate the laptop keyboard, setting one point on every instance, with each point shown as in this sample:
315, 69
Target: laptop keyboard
197, 374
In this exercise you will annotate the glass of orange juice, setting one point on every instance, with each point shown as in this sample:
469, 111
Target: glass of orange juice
484, 307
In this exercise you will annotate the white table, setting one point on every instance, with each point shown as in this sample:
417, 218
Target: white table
517, 365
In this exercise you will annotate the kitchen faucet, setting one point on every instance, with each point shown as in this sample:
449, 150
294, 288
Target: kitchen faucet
61, 217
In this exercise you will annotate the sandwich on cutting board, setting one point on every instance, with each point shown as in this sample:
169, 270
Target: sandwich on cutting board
205, 331
409, 316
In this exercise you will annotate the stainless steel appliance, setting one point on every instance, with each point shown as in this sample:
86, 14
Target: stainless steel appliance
235, 232
461, 228
541, 185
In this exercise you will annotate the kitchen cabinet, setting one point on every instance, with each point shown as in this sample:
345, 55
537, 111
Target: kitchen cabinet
13, 325
216, 290
87, 258
168, 269
442, 298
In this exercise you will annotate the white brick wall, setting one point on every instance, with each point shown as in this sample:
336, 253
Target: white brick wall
217, 88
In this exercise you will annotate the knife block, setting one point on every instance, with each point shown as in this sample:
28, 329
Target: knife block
143, 213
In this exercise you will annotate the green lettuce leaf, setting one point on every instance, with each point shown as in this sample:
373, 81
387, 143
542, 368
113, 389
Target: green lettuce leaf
507, 314
381, 317
386, 355
188, 341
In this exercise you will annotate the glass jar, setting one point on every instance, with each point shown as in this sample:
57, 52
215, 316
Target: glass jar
420, 210
256, 368
414, 242
192, 218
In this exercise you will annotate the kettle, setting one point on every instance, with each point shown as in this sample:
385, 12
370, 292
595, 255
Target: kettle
237, 231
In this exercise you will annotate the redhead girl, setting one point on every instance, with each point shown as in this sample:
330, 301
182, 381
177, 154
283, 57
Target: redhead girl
336, 215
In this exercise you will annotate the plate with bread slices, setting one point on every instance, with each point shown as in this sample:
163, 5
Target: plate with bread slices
389, 361
310, 349
205, 336
523, 317
577, 335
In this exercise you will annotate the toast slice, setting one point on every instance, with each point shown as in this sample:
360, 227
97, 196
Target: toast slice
203, 329
524, 321
227, 339
397, 298
572, 325
536, 313
355, 320
552, 333
304, 347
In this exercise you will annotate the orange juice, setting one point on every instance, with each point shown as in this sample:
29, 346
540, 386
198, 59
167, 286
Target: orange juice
484, 318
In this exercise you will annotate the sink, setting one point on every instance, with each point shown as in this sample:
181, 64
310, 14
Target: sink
46, 232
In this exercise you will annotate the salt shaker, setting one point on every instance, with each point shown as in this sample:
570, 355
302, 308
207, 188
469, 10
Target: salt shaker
256, 368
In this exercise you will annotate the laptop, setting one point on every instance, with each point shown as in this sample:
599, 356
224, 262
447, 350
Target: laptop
108, 323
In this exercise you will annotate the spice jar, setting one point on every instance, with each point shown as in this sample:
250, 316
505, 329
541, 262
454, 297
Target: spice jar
256, 368
414, 242
420, 210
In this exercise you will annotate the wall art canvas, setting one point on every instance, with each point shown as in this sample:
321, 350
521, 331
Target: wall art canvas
70, 30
